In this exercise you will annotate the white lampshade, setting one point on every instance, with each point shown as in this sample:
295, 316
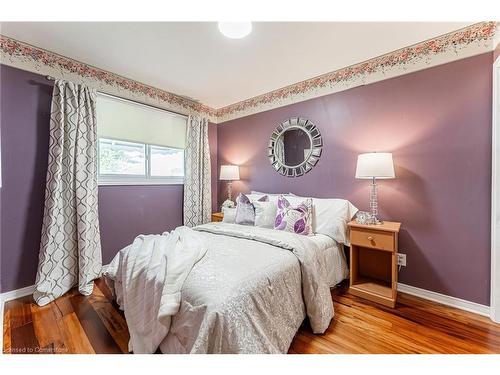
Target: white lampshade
375, 164
229, 172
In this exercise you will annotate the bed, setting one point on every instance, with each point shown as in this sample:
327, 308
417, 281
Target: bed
248, 292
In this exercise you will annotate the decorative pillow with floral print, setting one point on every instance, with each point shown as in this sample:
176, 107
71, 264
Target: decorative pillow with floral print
294, 219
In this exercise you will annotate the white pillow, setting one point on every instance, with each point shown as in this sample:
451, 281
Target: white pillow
256, 195
272, 196
260, 193
265, 214
330, 217
229, 215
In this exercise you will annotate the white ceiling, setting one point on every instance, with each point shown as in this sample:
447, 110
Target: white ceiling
195, 60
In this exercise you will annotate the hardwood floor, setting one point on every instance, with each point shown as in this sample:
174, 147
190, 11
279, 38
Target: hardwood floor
94, 324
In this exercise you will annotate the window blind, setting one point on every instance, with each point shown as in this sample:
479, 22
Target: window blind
128, 121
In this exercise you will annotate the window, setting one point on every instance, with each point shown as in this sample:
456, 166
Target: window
166, 162
139, 144
121, 158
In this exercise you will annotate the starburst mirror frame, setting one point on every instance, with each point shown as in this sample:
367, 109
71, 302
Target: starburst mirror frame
309, 161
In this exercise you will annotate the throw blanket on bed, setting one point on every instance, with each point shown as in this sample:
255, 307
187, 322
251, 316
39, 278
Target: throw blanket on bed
315, 288
148, 277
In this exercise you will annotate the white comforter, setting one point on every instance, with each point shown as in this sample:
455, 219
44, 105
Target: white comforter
248, 294
148, 277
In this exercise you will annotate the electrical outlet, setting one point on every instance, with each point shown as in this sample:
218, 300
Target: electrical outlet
402, 260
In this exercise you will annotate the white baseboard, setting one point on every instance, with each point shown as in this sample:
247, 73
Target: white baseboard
445, 300
18, 293
9, 296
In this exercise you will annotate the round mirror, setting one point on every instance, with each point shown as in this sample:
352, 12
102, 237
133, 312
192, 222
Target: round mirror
295, 147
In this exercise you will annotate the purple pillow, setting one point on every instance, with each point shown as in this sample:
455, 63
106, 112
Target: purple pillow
294, 219
245, 211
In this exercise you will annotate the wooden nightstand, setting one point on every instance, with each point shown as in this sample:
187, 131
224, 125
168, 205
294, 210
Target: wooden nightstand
217, 216
374, 254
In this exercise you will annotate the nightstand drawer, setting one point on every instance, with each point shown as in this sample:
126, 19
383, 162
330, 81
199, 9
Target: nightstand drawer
373, 239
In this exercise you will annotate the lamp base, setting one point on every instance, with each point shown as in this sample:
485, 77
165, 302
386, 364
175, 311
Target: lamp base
374, 203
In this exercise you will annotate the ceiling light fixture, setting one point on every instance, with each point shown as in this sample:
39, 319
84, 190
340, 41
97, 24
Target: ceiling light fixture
235, 30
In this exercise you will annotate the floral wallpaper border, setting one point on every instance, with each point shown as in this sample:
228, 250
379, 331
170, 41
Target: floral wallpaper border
475, 39
40, 59
356, 75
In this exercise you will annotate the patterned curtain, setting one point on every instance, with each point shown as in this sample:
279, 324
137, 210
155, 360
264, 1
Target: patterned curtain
70, 249
197, 181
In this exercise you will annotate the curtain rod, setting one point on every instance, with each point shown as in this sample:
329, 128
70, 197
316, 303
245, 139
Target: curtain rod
50, 78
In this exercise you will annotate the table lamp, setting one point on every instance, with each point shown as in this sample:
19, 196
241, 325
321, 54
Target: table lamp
229, 173
375, 165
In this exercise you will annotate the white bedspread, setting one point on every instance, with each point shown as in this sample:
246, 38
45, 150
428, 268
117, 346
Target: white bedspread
315, 288
249, 293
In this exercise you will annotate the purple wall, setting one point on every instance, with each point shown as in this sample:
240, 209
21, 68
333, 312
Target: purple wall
124, 211
24, 119
437, 123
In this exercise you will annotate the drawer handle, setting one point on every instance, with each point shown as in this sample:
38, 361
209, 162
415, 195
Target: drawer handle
370, 238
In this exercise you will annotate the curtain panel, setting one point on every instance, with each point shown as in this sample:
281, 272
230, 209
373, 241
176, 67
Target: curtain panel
197, 180
70, 249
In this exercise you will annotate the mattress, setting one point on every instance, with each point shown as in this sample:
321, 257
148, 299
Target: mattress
337, 267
